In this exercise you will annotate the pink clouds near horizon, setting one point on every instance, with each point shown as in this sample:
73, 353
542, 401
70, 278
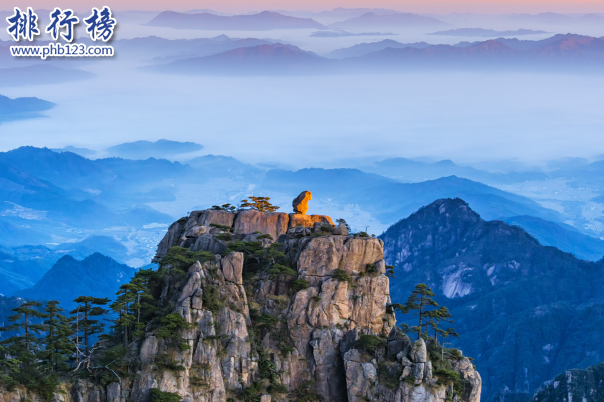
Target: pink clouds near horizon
426, 6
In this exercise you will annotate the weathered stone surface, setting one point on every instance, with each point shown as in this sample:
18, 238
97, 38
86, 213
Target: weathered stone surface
148, 349
405, 362
417, 371
360, 377
419, 353
169, 240
210, 216
300, 203
348, 340
195, 231
323, 255
328, 363
468, 373
232, 267
428, 370
398, 342
341, 230
113, 392
208, 242
308, 221
272, 223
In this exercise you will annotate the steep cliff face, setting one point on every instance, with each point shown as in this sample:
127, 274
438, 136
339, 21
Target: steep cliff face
574, 385
296, 335
284, 308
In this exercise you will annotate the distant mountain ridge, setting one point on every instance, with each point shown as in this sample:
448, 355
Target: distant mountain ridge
388, 199
499, 282
485, 32
18, 106
337, 14
564, 52
159, 49
563, 237
372, 20
365, 48
147, 149
263, 59
265, 20
407, 170
96, 275
560, 53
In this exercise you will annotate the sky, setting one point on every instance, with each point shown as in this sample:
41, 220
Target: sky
425, 6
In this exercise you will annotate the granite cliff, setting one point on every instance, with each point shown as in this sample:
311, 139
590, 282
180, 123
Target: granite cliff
281, 307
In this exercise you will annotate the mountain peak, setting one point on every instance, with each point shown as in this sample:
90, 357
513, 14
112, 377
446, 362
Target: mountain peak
96, 275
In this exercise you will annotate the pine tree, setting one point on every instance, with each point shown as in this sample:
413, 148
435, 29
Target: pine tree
224, 207
24, 346
127, 305
57, 347
84, 322
435, 317
261, 204
420, 300
142, 307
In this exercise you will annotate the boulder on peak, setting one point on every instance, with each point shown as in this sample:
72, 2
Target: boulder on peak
300, 203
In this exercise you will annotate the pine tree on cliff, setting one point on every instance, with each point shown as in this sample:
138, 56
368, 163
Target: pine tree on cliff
84, 322
24, 346
126, 306
420, 300
57, 347
261, 204
435, 317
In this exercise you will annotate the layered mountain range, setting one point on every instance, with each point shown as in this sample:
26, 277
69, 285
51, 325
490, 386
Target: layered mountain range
59, 199
557, 53
265, 20
525, 311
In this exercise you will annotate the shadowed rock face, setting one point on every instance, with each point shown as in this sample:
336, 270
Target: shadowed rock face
300, 203
317, 314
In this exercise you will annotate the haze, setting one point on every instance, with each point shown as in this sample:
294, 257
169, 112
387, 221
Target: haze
479, 114
304, 121
428, 6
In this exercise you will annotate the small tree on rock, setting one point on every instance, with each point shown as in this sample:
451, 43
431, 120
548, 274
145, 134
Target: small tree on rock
435, 317
224, 207
261, 204
420, 300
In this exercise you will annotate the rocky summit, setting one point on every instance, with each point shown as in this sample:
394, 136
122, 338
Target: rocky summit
279, 307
